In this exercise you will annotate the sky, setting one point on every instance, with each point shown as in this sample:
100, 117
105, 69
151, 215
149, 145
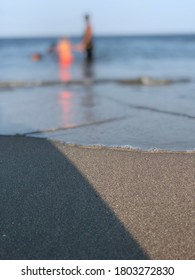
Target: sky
26, 18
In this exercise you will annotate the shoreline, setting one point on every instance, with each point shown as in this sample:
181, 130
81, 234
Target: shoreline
117, 148
139, 81
124, 148
68, 202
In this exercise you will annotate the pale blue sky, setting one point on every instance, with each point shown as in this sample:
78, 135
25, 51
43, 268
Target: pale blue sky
58, 17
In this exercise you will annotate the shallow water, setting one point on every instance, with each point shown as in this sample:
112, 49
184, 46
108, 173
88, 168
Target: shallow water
139, 116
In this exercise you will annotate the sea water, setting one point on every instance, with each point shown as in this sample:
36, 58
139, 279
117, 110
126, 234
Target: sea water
95, 109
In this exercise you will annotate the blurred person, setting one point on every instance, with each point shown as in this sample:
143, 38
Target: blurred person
64, 52
36, 57
88, 39
65, 58
87, 42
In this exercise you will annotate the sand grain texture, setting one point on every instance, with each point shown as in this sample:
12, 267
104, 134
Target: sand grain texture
64, 202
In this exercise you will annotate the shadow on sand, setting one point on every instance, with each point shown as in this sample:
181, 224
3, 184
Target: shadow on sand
48, 210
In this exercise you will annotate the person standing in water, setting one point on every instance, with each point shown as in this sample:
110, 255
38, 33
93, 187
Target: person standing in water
88, 40
65, 58
64, 52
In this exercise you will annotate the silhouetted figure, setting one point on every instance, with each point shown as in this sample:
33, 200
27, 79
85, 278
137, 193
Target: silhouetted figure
88, 40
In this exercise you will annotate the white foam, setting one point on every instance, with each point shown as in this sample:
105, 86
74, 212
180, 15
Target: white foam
191, 151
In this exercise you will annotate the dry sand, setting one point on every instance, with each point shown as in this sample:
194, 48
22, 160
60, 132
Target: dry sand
65, 202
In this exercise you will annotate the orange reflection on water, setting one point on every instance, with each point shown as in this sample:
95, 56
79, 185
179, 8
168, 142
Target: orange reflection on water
64, 71
65, 97
65, 101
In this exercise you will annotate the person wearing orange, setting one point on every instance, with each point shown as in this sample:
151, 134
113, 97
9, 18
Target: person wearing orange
64, 52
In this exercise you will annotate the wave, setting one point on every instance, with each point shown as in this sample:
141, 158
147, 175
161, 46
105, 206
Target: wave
140, 81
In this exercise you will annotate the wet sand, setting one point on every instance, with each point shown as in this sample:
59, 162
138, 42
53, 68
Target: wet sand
67, 202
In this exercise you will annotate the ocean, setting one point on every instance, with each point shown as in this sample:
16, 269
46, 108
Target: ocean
139, 92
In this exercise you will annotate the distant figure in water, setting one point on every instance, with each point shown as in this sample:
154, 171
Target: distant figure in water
87, 43
64, 52
36, 57
88, 40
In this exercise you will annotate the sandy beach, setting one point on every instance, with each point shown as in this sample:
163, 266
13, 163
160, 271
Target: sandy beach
66, 202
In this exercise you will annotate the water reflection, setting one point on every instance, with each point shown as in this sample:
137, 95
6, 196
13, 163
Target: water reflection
65, 101
64, 72
65, 97
88, 100
77, 106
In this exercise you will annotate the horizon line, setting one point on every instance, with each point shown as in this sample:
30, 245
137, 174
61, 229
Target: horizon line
98, 35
